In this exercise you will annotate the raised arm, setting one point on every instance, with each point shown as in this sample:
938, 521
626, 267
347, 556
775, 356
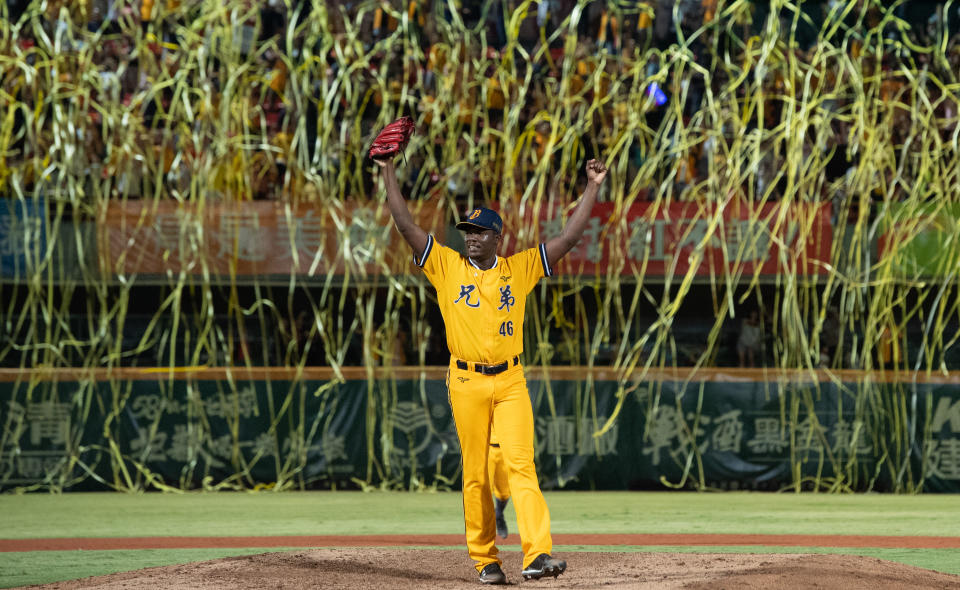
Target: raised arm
411, 232
573, 230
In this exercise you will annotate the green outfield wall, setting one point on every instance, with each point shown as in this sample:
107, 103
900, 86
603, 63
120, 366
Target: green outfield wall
595, 429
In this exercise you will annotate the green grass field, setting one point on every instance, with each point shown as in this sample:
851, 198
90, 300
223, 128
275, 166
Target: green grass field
36, 516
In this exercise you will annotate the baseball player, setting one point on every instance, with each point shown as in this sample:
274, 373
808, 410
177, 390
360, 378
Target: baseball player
482, 299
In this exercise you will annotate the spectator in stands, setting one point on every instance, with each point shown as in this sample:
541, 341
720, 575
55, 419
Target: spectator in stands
889, 345
830, 338
750, 340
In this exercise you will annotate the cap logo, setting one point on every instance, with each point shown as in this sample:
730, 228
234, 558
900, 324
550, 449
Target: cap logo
481, 218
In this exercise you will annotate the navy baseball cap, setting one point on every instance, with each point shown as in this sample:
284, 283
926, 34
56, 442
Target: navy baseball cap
483, 218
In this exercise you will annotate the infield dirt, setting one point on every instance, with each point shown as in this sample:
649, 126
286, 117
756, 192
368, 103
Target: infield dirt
368, 568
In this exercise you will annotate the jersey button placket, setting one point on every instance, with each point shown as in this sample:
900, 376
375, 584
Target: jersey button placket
482, 346
488, 330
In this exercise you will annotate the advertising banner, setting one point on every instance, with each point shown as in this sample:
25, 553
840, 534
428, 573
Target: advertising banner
269, 238
708, 434
181, 435
399, 434
656, 239
256, 238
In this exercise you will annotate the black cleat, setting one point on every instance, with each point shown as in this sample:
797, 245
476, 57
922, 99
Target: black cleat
501, 521
492, 574
544, 565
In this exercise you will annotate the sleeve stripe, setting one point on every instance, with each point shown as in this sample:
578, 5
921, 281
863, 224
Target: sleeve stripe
547, 271
426, 252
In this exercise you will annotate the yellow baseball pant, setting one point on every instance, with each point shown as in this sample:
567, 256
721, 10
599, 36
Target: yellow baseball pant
479, 401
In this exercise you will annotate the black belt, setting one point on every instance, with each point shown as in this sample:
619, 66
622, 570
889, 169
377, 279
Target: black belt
488, 369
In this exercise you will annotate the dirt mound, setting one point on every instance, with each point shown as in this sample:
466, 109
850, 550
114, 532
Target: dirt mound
359, 568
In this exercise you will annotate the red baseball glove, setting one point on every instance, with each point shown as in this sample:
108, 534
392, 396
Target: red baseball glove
392, 139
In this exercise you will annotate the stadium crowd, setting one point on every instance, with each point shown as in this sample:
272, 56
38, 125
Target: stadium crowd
145, 53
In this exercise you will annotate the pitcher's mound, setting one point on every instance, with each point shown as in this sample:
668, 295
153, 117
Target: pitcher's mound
370, 568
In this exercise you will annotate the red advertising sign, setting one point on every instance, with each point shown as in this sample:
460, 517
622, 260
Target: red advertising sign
257, 238
271, 238
671, 240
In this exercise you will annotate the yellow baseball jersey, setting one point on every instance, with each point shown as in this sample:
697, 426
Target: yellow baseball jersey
483, 309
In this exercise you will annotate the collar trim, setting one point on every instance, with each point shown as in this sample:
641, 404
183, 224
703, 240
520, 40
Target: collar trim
496, 260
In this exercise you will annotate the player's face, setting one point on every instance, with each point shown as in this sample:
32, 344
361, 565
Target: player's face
481, 243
